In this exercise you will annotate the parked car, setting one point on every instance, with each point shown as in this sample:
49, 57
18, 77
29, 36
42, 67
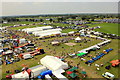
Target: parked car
108, 75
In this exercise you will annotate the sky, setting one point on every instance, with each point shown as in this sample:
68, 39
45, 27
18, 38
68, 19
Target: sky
35, 7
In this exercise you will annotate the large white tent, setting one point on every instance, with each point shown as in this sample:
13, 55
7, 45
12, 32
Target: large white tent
47, 31
53, 63
35, 71
78, 39
30, 30
47, 34
42, 31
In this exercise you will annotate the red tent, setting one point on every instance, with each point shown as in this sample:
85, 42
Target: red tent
22, 45
69, 72
115, 62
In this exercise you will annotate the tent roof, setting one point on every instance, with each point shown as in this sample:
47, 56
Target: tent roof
69, 72
115, 62
53, 63
80, 54
78, 38
83, 72
73, 75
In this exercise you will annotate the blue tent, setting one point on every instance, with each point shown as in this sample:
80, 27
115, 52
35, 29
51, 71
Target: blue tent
90, 61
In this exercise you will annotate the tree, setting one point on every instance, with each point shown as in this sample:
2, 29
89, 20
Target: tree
51, 20
41, 20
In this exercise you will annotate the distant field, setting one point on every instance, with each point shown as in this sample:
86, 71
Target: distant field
107, 28
23, 27
15, 23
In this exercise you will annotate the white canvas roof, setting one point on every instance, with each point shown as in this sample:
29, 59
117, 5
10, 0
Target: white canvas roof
8, 52
59, 76
36, 70
20, 75
36, 29
78, 38
48, 77
72, 32
53, 63
104, 42
54, 42
47, 31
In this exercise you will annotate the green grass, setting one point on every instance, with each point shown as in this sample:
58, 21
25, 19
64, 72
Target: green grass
68, 30
58, 50
62, 24
23, 27
107, 28
67, 49
15, 23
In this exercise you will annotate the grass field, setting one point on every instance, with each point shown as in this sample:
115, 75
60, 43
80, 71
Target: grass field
15, 23
107, 28
59, 50
49, 51
23, 27
68, 30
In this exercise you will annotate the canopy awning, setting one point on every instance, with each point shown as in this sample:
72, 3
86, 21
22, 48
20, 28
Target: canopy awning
81, 54
77, 39
73, 75
83, 72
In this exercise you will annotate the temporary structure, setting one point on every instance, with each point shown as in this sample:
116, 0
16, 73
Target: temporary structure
55, 43
22, 40
47, 32
35, 72
115, 62
8, 52
30, 30
72, 32
78, 39
81, 54
53, 63
58, 74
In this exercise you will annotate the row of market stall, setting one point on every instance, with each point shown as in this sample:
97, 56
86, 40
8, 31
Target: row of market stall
99, 56
92, 48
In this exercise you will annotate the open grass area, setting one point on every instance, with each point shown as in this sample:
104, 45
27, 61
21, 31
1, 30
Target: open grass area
49, 51
107, 28
23, 27
63, 49
62, 24
68, 30
59, 51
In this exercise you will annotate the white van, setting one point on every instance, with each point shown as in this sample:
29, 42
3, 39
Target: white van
27, 56
108, 75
